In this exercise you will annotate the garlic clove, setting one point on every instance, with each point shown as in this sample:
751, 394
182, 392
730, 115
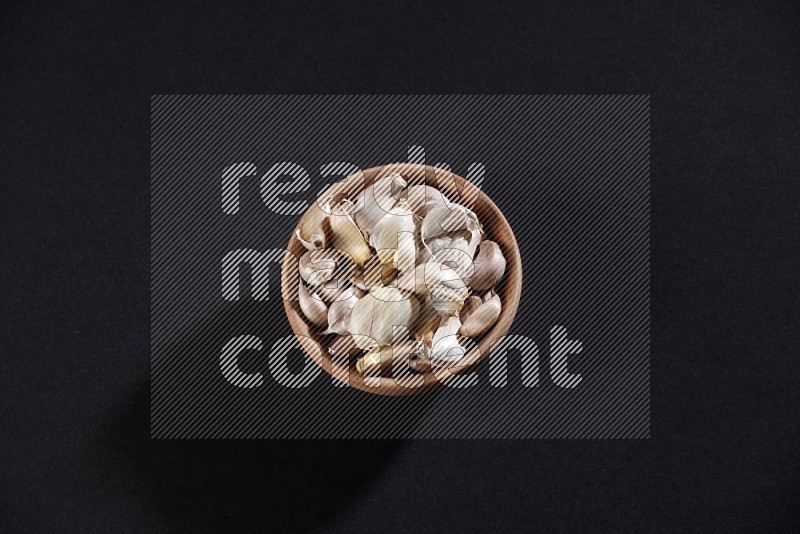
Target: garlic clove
490, 265
483, 318
419, 362
374, 274
376, 360
346, 235
424, 334
470, 305
457, 250
447, 219
394, 237
312, 231
358, 279
379, 312
317, 266
316, 241
333, 291
446, 351
427, 313
451, 234
423, 254
312, 306
343, 346
380, 360
339, 313
443, 284
422, 198
332, 285
379, 199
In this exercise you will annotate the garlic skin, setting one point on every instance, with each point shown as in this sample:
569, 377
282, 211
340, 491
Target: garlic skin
441, 220
379, 312
358, 292
420, 363
443, 284
375, 360
312, 306
379, 199
457, 251
483, 318
346, 235
422, 198
314, 242
425, 332
312, 229
317, 266
394, 237
451, 235
343, 346
330, 293
374, 274
446, 350
490, 265
339, 313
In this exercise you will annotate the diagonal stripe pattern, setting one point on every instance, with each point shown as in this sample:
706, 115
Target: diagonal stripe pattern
571, 175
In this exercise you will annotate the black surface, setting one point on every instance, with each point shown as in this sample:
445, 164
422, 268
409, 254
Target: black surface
74, 437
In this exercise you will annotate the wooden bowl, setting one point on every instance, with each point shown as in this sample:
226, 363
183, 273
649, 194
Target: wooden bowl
509, 288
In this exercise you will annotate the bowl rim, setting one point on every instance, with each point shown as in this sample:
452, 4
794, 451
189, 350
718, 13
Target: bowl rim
313, 343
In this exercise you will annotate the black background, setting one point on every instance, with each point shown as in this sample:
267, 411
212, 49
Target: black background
76, 83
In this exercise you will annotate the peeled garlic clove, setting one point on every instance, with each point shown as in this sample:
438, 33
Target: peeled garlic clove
380, 311
483, 318
394, 237
446, 350
422, 198
312, 229
346, 235
317, 266
470, 305
490, 265
343, 346
339, 315
312, 306
379, 199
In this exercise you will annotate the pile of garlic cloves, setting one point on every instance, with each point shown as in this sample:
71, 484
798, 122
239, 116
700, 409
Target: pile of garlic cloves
397, 275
